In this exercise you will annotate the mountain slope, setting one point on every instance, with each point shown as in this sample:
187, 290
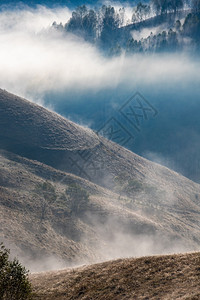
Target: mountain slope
86, 198
159, 277
40, 229
157, 24
36, 133
48, 130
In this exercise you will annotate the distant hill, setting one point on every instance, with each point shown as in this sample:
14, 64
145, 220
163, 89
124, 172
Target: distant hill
159, 277
68, 193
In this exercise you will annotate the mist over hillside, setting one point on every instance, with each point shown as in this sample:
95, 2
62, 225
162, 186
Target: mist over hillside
113, 84
87, 198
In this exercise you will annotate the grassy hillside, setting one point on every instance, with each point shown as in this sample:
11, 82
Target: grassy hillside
158, 277
67, 193
47, 214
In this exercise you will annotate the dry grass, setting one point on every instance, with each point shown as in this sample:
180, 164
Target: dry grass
60, 234
156, 277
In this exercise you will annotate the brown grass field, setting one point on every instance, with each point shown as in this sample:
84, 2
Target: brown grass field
156, 277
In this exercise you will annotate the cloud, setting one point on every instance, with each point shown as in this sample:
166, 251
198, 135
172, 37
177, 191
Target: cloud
35, 60
31, 20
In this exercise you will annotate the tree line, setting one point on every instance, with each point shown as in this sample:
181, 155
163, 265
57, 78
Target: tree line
101, 26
